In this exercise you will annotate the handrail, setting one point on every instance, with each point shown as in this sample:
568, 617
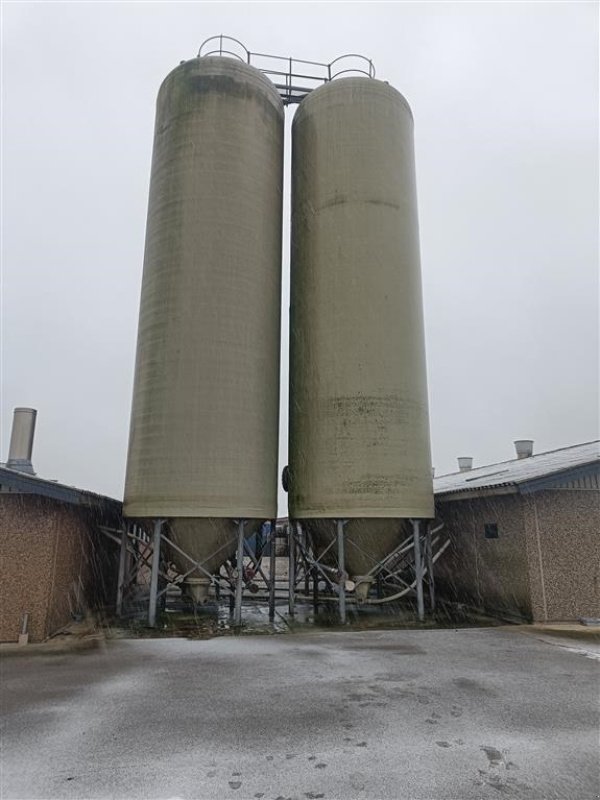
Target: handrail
295, 68
370, 72
220, 50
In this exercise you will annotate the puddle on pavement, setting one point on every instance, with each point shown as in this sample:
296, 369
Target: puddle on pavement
215, 620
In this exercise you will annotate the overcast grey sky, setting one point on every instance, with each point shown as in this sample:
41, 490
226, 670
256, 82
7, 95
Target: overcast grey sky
505, 99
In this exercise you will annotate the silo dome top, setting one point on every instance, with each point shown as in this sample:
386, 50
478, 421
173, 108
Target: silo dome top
221, 74
349, 88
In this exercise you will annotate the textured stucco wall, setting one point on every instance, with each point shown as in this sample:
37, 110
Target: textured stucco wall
27, 540
48, 563
489, 573
563, 546
71, 568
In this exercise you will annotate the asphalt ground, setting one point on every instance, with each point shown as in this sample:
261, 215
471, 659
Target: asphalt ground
473, 713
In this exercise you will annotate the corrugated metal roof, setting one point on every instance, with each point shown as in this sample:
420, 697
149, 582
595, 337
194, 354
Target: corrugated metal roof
519, 471
22, 483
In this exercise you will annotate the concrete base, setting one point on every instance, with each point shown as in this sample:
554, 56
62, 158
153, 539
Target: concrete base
23, 639
475, 714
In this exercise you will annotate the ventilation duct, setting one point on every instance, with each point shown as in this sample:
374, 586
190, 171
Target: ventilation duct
524, 448
21, 440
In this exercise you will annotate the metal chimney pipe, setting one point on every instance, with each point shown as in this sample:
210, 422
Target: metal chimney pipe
21, 440
524, 448
465, 463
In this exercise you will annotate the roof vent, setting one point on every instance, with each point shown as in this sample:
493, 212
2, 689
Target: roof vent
21, 440
465, 463
524, 448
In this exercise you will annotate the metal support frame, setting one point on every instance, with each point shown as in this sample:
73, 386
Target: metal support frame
339, 524
416, 525
270, 582
137, 551
401, 573
239, 586
429, 567
272, 569
153, 601
292, 571
122, 570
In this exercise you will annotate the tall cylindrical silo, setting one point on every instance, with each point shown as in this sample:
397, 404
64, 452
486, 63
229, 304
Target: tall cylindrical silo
359, 429
204, 424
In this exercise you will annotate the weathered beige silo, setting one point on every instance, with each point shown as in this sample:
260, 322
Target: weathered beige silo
204, 423
359, 430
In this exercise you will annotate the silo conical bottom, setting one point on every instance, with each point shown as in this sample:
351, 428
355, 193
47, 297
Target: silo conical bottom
210, 541
366, 543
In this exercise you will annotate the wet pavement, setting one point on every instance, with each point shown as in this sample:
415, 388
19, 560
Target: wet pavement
473, 713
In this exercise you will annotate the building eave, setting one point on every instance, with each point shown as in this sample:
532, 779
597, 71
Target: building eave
554, 479
24, 484
481, 491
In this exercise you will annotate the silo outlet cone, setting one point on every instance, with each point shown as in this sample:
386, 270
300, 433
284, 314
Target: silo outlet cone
197, 589
362, 587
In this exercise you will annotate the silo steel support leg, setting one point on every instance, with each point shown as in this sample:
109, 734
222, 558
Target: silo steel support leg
429, 552
154, 572
294, 531
315, 589
122, 571
272, 570
306, 569
418, 569
239, 586
314, 572
342, 570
